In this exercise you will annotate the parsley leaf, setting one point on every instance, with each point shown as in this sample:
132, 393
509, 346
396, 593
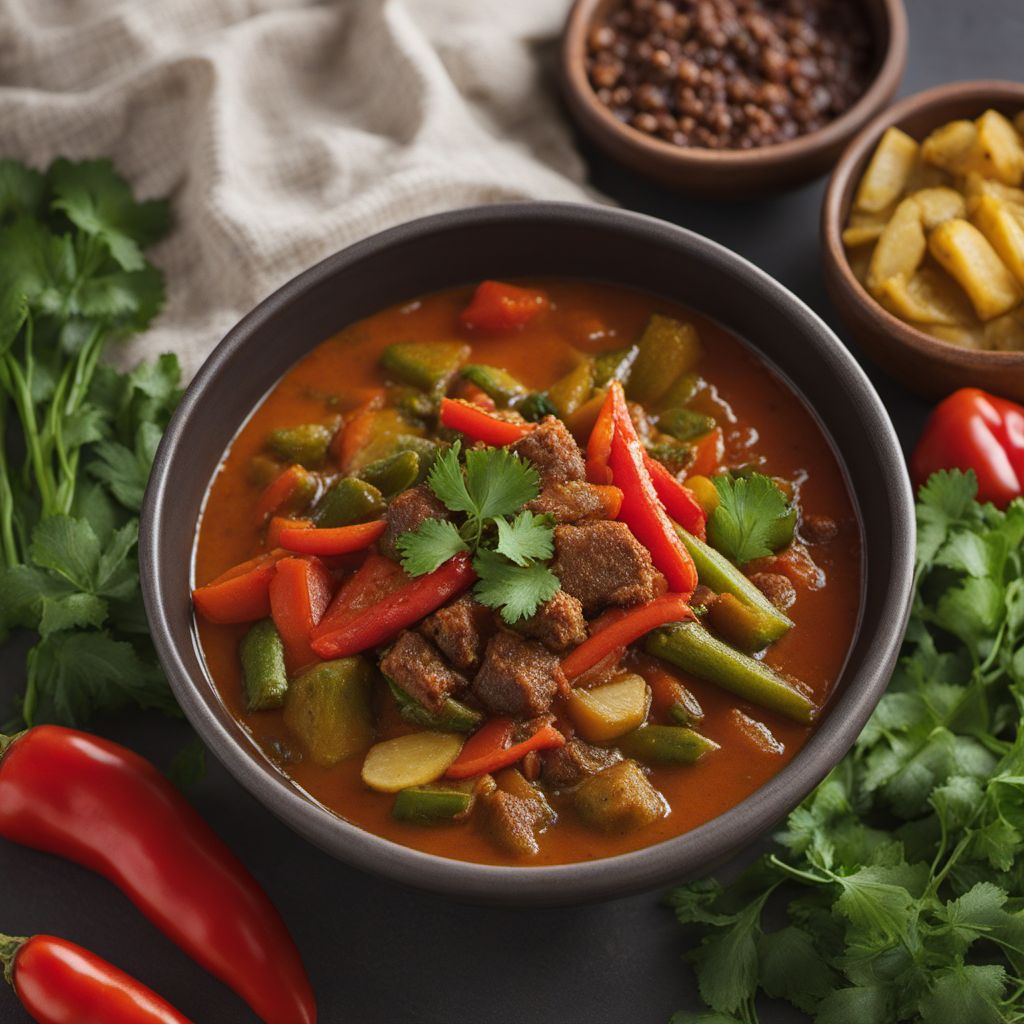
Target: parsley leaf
527, 537
430, 546
517, 590
746, 523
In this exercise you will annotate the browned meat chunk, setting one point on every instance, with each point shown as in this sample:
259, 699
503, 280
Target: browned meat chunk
602, 563
510, 820
568, 766
619, 799
569, 502
818, 529
408, 511
558, 623
553, 452
776, 587
461, 630
518, 677
414, 664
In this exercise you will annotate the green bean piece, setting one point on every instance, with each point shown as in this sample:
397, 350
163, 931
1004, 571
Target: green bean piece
429, 365
454, 716
685, 424
264, 470
674, 457
682, 391
535, 406
614, 365
306, 444
496, 383
413, 403
720, 575
392, 474
665, 744
263, 671
689, 646
668, 349
435, 803
568, 393
349, 501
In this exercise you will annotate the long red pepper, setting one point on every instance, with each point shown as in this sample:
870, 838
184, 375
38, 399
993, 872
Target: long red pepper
59, 982
100, 805
479, 425
488, 750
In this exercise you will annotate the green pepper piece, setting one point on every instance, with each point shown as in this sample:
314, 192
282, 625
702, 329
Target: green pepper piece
535, 406
689, 646
665, 744
429, 365
413, 403
614, 365
720, 575
496, 383
349, 501
328, 708
454, 716
568, 393
685, 424
434, 803
264, 470
674, 457
668, 349
262, 655
393, 474
682, 392
306, 444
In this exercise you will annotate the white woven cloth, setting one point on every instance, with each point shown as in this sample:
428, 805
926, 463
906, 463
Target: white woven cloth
284, 130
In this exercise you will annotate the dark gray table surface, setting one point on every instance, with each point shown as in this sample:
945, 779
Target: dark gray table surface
378, 953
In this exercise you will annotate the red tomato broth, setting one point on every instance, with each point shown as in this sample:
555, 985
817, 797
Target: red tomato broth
771, 421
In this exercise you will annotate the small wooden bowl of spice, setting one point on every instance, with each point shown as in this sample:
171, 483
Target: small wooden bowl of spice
730, 98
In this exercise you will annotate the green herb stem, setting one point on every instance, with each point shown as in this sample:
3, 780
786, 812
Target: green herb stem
10, 945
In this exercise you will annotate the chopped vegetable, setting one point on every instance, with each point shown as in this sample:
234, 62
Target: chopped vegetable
430, 365
242, 594
738, 624
393, 473
479, 425
491, 748
679, 501
753, 518
502, 307
375, 579
568, 393
535, 406
434, 803
348, 501
279, 524
290, 493
607, 712
413, 760
667, 350
336, 540
685, 424
614, 365
454, 716
496, 383
306, 444
666, 744
263, 670
300, 592
619, 799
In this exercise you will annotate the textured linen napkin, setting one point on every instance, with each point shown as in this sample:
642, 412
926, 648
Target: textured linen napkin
285, 130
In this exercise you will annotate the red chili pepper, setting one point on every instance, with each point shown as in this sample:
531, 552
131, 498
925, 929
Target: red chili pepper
488, 750
61, 983
599, 445
372, 582
279, 524
292, 491
336, 540
502, 307
99, 805
678, 499
972, 429
241, 594
400, 609
479, 425
299, 595
625, 630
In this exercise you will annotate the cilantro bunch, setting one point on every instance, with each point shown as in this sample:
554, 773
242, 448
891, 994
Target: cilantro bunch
753, 517
510, 546
77, 438
902, 875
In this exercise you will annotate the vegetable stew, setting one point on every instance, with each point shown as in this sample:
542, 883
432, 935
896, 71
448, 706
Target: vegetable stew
531, 573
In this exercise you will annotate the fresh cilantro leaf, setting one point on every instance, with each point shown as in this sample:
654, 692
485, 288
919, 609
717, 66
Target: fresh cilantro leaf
430, 546
726, 962
517, 590
126, 470
21, 190
73, 610
965, 994
747, 518
69, 548
526, 538
710, 1017
855, 1005
127, 298
791, 967
41, 265
499, 482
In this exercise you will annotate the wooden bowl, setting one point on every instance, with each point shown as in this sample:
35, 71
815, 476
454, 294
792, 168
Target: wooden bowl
923, 364
736, 173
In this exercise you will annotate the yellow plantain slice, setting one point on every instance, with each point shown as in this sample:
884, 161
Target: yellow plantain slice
865, 227
929, 297
938, 205
887, 173
976, 186
1006, 333
997, 151
947, 147
1004, 230
901, 246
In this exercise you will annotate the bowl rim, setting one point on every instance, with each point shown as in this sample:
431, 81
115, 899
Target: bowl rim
651, 866
839, 190
884, 83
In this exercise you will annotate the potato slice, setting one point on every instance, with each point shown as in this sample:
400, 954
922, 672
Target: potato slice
863, 227
926, 175
1004, 230
963, 337
901, 246
612, 710
411, 760
965, 253
977, 185
929, 297
948, 147
888, 171
1006, 333
997, 151
938, 205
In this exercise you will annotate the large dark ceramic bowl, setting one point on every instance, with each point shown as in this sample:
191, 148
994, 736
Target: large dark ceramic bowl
506, 242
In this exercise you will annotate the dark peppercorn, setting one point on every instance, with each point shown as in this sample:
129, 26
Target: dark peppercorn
730, 74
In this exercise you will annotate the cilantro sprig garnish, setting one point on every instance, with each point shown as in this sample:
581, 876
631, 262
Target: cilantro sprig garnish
903, 873
510, 546
751, 517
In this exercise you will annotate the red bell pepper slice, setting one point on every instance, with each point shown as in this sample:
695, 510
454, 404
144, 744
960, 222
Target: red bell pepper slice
469, 392
626, 629
502, 307
678, 499
300, 592
599, 445
375, 579
972, 429
708, 453
242, 594
336, 540
357, 431
488, 749
382, 621
292, 490
479, 425
281, 523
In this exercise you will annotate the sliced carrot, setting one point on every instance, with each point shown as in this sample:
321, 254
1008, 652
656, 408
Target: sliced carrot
242, 594
290, 492
710, 450
479, 425
300, 592
357, 431
502, 307
338, 540
489, 749
280, 523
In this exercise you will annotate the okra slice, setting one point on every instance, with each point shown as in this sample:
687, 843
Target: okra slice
535, 406
349, 501
668, 348
392, 474
454, 716
568, 393
666, 744
429, 365
685, 424
614, 365
305, 444
674, 457
496, 383
263, 671
434, 803
682, 391
689, 646
720, 575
